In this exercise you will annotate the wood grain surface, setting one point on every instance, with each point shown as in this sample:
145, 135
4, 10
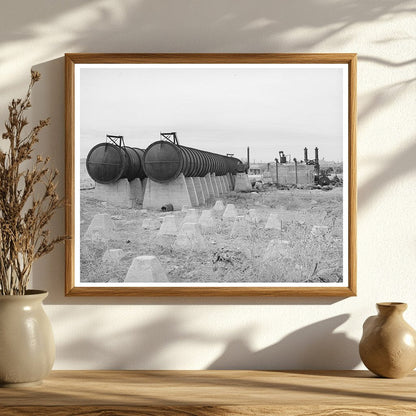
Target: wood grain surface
202, 393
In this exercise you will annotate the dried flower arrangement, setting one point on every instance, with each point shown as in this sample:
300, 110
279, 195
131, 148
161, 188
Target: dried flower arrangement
28, 199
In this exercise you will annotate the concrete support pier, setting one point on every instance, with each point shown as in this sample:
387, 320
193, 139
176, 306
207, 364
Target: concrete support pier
199, 191
174, 192
192, 191
242, 183
208, 180
214, 185
122, 193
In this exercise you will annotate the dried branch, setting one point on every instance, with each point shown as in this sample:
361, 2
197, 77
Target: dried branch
23, 218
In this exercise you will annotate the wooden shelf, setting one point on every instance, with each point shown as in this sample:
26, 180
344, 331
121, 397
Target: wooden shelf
203, 393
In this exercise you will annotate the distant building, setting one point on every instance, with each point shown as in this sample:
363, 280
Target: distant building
266, 173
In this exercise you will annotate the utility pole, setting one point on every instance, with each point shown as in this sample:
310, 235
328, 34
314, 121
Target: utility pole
277, 171
296, 170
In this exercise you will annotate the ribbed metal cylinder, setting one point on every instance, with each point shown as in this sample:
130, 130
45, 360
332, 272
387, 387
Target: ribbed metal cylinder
164, 161
107, 163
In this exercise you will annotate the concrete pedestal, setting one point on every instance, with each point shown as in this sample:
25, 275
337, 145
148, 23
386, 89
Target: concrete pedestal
274, 222
192, 191
242, 183
199, 191
146, 269
174, 192
100, 228
219, 184
224, 184
214, 185
190, 238
150, 224
113, 256
219, 206
230, 211
192, 215
276, 249
231, 180
208, 180
206, 221
205, 190
319, 230
253, 216
122, 193
168, 226
241, 228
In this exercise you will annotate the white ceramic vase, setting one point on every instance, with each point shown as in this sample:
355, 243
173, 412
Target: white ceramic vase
27, 347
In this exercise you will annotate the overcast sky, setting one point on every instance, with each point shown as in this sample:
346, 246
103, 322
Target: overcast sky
222, 110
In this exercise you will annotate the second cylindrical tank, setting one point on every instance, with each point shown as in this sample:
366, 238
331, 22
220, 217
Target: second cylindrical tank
164, 161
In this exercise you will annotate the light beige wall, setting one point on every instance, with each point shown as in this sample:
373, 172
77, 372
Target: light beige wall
194, 333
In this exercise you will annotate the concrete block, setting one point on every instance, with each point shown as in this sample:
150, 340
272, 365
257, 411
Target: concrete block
192, 215
101, 228
206, 221
174, 192
230, 211
168, 226
192, 191
219, 205
113, 256
253, 216
274, 222
276, 249
146, 269
242, 183
199, 191
150, 224
185, 208
240, 228
319, 230
190, 238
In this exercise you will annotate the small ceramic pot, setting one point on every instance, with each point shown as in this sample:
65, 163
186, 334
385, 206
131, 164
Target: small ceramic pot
388, 345
27, 347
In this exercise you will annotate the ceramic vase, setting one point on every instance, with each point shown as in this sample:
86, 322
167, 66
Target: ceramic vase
388, 345
27, 347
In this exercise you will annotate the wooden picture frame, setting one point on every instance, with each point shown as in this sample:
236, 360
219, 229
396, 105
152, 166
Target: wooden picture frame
84, 98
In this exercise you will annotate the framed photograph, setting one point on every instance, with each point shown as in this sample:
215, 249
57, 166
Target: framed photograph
211, 174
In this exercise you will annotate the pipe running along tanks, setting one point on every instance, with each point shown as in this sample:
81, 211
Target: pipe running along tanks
165, 160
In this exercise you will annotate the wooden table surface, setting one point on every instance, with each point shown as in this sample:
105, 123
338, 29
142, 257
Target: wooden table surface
254, 393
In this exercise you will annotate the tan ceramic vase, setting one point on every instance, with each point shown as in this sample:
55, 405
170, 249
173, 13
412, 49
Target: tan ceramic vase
388, 344
27, 347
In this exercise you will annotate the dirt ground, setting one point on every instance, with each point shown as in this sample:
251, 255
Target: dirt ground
304, 253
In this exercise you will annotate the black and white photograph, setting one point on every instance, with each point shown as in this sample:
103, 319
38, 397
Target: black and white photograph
211, 175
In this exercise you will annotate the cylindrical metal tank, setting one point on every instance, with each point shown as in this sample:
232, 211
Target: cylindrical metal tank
165, 161
107, 163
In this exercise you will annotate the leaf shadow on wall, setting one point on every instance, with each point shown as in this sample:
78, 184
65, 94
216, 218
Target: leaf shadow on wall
151, 345
312, 347
189, 26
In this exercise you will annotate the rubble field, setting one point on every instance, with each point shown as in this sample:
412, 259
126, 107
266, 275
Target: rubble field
273, 235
